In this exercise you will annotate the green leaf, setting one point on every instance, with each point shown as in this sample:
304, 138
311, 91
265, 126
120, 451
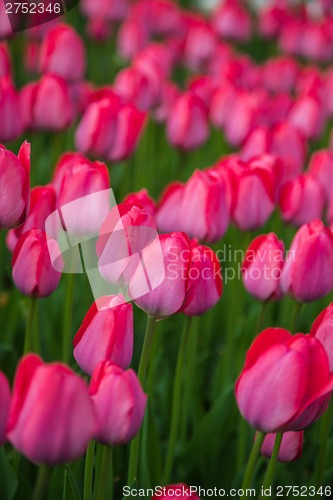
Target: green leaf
73, 483
8, 479
133, 485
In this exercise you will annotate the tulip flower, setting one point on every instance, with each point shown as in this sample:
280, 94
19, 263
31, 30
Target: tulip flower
285, 383
290, 449
46, 104
280, 74
106, 334
180, 491
307, 116
132, 37
302, 200
200, 207
62, 53
11, 125
119, 403
14, 186
307, 274
322, 330
262, 267
321, 167
204, 286
42, 204
187, 122
51, 417
141, 198
232, 21
200, 43
4, 60
4, 406
112, 10
32, 270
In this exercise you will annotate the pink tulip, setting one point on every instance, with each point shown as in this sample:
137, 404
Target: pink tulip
133, 36
31, 56
307, 272
47, 105
119, 403
200, 43
62, 53
262, 267
285, 383
221, 104
307, 116
4, 406
280, 74
271, 18
169, 93
173, 491
322, 330
167, 298
187, 122
33, 273
141, 198
164, 17
112, 10
232, 21
51, 419
106, 334
5, 67
321, 167
42, 204
139, 86
204, 286
200, 207
11, 125
290, 449
302, 200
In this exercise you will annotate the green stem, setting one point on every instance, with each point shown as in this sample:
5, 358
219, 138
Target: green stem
89, 471
145, 354
324, 434
41, 483
106, 476
30, 325
176, 401
295, 316
67, 327
269, 476
261, 317
251, 465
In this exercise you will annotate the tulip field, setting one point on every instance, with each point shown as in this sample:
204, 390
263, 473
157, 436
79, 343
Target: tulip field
166, 249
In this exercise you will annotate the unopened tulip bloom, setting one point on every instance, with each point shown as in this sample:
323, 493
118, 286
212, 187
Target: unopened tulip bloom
4, 406
302, 200
141, 198
62, 53
14, 186
232, 21
322, 329
132, 37
204, 286
200, 207
119, 403
51, 419
106, 334
173, 491
307, 116
280, 74
32, 269
200, 43
187, 122
308, 271
46, 104
321, 166
42, 204
285, 383
262, 267
11, 125
290, 449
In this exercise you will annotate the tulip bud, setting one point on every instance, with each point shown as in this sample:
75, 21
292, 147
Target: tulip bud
11, 125
173, 491
14, 186
141, 198
307, 116
200, 43
280, 74
187, 122
302, 200
322, 329
262, 267
232, 21
106, 334
204, 286
33, 273
119, 403
4, 406
285, 383
307, 274
290, 448
51, 419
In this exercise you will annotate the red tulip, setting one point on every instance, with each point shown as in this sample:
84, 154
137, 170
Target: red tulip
285, 383
262, 267
322, 330
141, 198
200, 207
14, 186
33, 273
62, 53
187, 122
204, 286
106, 334
290, 449
5, 69
42, 204
302, 200
11, 125
307, 272
180, 491
51, 417
119, 403
4, 406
